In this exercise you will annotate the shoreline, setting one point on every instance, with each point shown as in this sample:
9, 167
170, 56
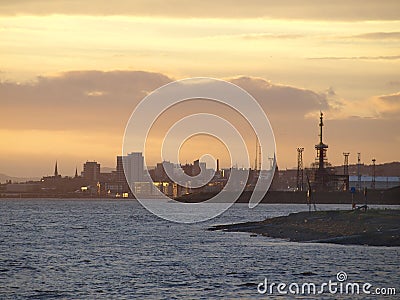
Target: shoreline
376, 197
391, 206
382, 197
376, 227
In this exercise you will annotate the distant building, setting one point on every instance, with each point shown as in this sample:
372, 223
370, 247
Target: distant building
120, 175
22, 187
194, 169
133, 164
56, 177
91, 171
117, 185
161, 170
381, 182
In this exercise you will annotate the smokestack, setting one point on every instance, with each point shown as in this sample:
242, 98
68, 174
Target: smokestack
217, 165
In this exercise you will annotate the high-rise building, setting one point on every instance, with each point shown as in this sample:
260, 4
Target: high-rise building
120, 175
91, 171
133, 165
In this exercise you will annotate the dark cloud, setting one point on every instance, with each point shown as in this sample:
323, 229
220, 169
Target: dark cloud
95, 99
281, 100
94, 102
285, 9
104, 100
76, 100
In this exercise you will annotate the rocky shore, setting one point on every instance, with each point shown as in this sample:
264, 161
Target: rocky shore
373, 227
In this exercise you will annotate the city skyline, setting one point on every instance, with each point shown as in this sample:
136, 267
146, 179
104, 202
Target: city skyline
79, 171
129, 179
68, 95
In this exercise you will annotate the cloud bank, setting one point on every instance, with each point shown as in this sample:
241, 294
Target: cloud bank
82, 115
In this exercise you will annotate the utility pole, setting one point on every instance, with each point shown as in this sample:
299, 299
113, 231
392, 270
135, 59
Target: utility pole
373, 173
346, 163
346, 170
358, 170
300, 171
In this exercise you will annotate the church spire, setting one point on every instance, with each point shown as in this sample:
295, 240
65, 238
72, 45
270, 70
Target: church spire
76, 172
56, 170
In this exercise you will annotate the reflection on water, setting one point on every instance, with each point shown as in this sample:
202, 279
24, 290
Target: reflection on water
116, 249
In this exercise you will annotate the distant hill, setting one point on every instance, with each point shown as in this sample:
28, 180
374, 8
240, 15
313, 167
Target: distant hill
4, 178
386, 169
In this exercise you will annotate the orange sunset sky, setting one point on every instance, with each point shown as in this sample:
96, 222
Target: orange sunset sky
71, 73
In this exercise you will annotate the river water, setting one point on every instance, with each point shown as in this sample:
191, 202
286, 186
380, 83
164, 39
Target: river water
109, 249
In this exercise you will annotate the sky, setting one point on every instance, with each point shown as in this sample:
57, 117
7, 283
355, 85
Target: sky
71, 73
